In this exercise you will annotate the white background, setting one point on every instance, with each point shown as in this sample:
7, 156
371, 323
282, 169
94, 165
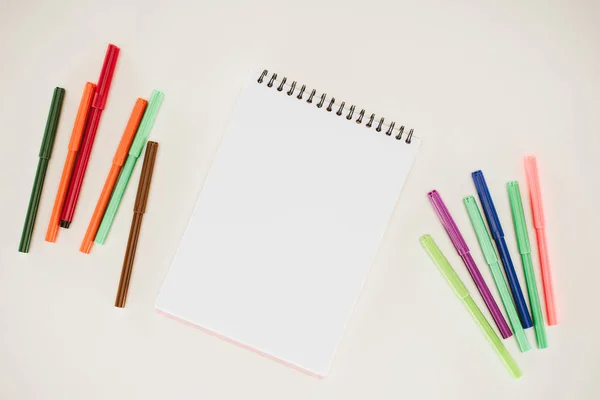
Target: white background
483, 83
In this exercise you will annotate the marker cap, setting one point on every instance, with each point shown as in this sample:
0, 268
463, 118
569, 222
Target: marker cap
147, 123
449, 224
488, 204
106, 75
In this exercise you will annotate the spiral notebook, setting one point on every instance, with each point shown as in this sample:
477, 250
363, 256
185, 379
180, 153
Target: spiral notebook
288, 222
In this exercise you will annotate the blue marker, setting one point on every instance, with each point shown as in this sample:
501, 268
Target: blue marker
494, 223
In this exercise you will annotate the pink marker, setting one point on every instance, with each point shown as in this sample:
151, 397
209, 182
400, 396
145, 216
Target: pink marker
539, 223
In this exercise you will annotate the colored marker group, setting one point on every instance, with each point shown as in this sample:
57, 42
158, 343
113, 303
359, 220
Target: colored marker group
513, 300
92, 104
133, 141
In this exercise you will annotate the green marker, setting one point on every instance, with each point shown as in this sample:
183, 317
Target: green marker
516, 206
485, 242
40, 174
139, 141
461, 291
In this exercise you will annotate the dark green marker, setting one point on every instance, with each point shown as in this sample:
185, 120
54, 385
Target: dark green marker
40, 175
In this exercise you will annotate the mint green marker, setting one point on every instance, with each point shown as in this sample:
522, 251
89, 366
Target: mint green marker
139, 141
485, 242
463, 294
516, 206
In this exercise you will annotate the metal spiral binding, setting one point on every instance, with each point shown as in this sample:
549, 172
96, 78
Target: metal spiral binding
380, 125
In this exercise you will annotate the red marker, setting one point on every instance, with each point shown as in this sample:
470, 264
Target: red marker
93, 119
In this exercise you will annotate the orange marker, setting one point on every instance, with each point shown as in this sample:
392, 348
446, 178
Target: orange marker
113, 174
65, 179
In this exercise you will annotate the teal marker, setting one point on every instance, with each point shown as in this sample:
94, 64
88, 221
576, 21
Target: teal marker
516, 206
485, 242
139, 141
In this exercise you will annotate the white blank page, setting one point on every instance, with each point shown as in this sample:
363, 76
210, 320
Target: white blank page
286, 226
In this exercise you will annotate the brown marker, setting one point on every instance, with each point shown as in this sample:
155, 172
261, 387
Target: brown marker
136, 223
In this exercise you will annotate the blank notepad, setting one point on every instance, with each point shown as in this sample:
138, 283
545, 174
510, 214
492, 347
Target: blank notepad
287, 224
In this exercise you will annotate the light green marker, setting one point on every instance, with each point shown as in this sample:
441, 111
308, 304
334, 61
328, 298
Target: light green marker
516, 206
461, 291
139, 141
485, 242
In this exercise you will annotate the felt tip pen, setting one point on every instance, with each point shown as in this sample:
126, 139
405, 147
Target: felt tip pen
489, 253
539, 223
40, 174
73, 149
516, 206
139, 141
113, 174
464, 252
91, 127
462, 293
498, 234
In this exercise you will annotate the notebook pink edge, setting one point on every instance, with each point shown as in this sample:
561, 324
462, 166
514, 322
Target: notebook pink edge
242, 345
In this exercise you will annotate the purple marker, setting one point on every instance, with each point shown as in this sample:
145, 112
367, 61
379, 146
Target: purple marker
464, 252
